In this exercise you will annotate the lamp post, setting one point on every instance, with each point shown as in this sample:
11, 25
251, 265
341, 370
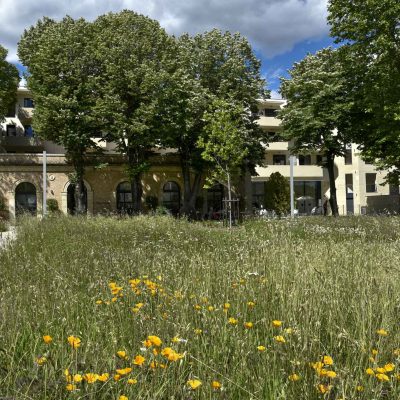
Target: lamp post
291, 158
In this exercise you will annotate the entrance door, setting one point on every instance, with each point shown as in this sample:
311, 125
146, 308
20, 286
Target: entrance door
71, 203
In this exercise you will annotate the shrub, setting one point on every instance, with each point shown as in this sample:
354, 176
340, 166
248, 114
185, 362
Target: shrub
52, 205
277, 194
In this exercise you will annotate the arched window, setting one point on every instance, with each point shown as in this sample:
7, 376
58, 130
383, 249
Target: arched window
71, 202
124, 198
171, 199
25, 198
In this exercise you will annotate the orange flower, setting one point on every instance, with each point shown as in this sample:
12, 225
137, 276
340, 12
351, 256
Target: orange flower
139, 360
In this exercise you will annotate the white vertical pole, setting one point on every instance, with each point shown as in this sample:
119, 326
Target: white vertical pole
291, 158
44, 183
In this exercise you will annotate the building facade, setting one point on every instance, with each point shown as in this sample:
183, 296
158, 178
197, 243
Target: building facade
107, 190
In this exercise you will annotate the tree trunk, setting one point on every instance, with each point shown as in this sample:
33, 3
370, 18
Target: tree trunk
229, 200
330, 165
137, 191
135, 159
190, 192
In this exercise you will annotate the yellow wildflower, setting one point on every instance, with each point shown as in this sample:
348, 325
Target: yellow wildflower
261, 348
139, 360
74, 342
132, 381
369, 371
99, 301
389, 367
122, 397
324, 388
70, 387
122, 354
374, 352
280, 339
90, 377
103, 377
232, 321
288, 331
382, 332
77, 378
380, 370
331, 374
248, 325
194, 383
117, 377
382, 377
47, 339
41, 360
276, 323
198, 331
251, 304
124, 371
216, 385
359, 388
154, 340
327, 360
210, 308
294, 377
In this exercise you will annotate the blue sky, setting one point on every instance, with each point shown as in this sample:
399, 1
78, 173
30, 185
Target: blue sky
281, 31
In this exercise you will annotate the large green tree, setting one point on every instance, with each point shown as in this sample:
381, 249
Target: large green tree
133, 54
9, 79
370, 34
62, 76
316, 116
209, 66
224, 144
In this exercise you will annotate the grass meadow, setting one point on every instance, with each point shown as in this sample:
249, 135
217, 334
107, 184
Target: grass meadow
157, 308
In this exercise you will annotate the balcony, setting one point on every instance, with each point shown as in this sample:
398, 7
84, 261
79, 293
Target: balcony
21, 141
269, 122
299, 171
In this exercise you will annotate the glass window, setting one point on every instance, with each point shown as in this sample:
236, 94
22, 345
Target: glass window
11, 130
171, 197
28, 131
124, 198
349, 185
28, 103
348, 157
258, 192
279, 159
370, 183
25, 198
304, 159
270, 112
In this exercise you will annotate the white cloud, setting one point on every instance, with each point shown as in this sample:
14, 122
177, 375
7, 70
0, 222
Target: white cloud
272, 26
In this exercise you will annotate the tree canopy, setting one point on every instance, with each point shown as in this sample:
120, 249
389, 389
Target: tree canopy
133, 56
62, 77
370, 34
9, 78
316, 116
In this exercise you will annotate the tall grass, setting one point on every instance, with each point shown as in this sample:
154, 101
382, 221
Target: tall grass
332, 283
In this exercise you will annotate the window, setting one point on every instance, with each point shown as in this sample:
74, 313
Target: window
25, 198
279, 159
348, 158
171, 197
28, 103
319, 160
370, 183
28, 131
124, 198
270, 112
304, 159
258, 191
11, 130
349, 185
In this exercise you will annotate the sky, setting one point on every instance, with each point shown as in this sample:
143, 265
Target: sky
281, 31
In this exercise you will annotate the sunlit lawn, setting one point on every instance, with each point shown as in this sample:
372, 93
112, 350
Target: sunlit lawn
272, 310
